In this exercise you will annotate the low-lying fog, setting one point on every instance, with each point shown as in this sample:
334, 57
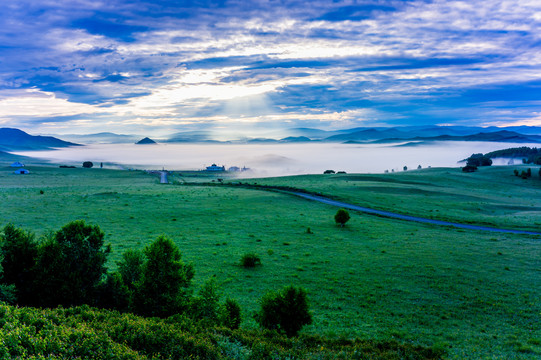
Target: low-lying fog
275, 159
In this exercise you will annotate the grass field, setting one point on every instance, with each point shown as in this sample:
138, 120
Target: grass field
476, 295
492, 196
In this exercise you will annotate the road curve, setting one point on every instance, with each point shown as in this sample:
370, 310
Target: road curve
407, 217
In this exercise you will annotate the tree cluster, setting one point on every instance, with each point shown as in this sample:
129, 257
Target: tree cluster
67, 268
478, 160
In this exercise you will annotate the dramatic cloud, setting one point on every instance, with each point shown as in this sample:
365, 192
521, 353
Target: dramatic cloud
169, 65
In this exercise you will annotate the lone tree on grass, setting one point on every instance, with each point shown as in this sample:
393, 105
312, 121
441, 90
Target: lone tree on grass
285, 311
341, 217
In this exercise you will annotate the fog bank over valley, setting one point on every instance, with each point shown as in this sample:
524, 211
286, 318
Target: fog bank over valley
276, 159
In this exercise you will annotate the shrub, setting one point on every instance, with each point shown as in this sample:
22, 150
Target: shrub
329, 172
285, 311
88, 164
250, 260
469, 168
341, 217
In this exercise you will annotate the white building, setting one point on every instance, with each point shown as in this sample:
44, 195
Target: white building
215, 167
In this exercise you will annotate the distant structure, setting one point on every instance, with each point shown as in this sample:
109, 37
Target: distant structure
17, 164
21, 171
238, 169
215, 167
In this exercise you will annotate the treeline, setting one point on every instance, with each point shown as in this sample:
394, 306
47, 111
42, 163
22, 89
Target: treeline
67, 268
527, 154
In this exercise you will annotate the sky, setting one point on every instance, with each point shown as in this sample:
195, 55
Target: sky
164, 66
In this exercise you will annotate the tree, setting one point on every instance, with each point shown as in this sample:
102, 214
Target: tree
230, 314
8, 293
163, 289
205, 306
341, 217
70, 265
405, 168
112, 293
478, 160
130, 268
286, 311
329, 172
88, 164
19, 250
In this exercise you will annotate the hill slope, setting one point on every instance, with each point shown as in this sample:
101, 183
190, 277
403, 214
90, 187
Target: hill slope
15, 139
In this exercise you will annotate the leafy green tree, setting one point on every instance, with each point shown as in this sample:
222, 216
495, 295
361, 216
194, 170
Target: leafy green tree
19, 250
341, 217
7, 291
130, 267
112, 293
230, 314
205, 306
163, 289
478, 160
70, 265
286, 311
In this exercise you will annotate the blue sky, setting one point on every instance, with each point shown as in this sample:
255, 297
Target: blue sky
162, 66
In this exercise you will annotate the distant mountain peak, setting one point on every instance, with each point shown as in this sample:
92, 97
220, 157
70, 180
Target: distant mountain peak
146, 141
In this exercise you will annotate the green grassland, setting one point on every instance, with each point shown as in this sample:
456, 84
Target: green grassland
492, 196
473, 294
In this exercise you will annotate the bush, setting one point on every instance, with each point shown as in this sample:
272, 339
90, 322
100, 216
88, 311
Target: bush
250, 260
469, 168
88, 164
329, 172
285, 311
341, 217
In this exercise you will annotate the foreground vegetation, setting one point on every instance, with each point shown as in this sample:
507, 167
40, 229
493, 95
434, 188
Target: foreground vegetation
469, 294
83, 332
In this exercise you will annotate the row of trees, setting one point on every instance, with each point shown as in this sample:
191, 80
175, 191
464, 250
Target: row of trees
68, 268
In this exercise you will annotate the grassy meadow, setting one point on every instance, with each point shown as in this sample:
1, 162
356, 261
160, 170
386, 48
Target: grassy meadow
473, 294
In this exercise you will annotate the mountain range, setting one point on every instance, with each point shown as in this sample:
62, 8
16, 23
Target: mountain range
14, 139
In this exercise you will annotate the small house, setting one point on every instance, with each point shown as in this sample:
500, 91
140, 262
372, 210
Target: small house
21, 171
215, 167
17, 164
